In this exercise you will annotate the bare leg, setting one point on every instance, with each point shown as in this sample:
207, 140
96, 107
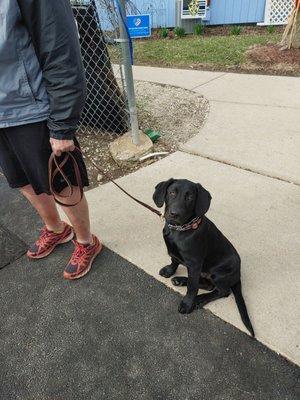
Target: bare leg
78, 216
46, 207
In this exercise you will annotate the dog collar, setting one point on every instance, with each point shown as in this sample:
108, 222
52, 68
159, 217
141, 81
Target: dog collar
193, 224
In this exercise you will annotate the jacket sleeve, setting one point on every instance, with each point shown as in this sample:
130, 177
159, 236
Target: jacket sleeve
54, 34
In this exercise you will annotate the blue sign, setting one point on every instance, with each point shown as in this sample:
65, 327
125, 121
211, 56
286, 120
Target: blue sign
139, 26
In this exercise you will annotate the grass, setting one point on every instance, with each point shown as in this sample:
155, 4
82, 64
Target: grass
214, 51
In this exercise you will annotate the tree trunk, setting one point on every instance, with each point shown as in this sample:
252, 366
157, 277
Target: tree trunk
291, 35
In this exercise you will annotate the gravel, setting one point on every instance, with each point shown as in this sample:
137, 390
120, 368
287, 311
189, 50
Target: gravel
178, 115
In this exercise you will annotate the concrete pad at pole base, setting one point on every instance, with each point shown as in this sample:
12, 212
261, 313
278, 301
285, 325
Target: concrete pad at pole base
124, 150
257, 213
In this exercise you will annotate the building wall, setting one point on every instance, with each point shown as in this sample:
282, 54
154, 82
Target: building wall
163, 12
221, 11
236, 11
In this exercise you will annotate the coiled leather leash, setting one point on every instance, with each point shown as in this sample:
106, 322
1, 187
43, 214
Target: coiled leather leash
55, 167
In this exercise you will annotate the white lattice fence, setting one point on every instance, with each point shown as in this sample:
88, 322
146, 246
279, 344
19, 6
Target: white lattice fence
277, 11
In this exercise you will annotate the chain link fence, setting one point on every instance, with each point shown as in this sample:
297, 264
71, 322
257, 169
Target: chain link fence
106, 110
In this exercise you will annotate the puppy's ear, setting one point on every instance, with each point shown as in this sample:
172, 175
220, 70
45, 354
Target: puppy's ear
161, 191
203, 200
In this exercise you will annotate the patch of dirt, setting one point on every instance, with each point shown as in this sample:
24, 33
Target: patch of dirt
245, 30
178, 115
273, 53
273, 58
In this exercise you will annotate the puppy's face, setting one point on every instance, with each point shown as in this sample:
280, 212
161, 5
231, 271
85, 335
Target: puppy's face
184, 200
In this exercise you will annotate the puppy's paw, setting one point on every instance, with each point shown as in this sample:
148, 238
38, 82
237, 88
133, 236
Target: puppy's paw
179, 281
200, 301
186, 307
167, 271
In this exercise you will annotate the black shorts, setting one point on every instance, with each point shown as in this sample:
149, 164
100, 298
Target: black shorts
24, 155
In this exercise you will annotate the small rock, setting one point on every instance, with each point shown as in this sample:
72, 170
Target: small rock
99, 177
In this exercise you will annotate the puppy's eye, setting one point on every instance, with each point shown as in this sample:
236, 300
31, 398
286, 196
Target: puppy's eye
172, 194
189, 197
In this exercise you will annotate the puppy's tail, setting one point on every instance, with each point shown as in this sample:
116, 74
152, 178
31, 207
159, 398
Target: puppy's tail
237, 292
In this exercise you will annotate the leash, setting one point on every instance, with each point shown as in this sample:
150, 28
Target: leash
55, 167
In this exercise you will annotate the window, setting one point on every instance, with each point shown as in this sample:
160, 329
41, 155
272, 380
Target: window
185, 9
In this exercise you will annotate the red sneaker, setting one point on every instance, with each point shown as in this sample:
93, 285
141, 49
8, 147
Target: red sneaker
82, 259
48, 240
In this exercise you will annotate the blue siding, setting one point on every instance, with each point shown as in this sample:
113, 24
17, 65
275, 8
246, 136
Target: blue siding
171, 10
163, 13
236, 11
221, 12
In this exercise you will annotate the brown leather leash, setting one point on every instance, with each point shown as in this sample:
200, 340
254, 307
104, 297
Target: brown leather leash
55, 167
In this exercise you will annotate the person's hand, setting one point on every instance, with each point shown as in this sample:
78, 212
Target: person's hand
61, 146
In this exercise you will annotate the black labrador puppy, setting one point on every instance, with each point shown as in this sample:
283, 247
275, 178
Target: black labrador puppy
194, 241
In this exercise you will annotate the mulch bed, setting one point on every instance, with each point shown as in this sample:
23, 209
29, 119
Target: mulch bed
224, 30
273, 58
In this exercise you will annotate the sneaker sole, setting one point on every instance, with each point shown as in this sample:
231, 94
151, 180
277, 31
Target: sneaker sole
87, 270
44, 255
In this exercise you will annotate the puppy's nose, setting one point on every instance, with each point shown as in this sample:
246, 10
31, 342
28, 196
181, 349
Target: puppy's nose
174, 214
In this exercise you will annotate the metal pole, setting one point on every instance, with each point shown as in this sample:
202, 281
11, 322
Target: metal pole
129, 84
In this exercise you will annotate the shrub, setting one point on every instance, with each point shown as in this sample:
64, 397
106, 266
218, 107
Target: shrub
171, 34
235, 30
163, 33
271, 29
179, 31
199, 29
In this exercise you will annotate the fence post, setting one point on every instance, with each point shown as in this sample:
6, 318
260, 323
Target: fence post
128, 75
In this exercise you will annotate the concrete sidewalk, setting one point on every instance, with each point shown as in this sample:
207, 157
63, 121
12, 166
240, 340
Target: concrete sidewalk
254, 121
252, 125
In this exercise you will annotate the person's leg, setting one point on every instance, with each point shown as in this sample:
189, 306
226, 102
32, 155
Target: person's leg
19, 147
78, 215
46, 208
87, 245
24, 156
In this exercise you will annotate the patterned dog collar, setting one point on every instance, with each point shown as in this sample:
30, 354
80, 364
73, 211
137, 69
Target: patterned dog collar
193, 224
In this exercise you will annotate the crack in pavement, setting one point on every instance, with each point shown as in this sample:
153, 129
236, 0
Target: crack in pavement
251, 104
13, 261
211, 80
12, 247
183, 149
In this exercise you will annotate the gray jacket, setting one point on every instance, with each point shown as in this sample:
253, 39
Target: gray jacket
41, 72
